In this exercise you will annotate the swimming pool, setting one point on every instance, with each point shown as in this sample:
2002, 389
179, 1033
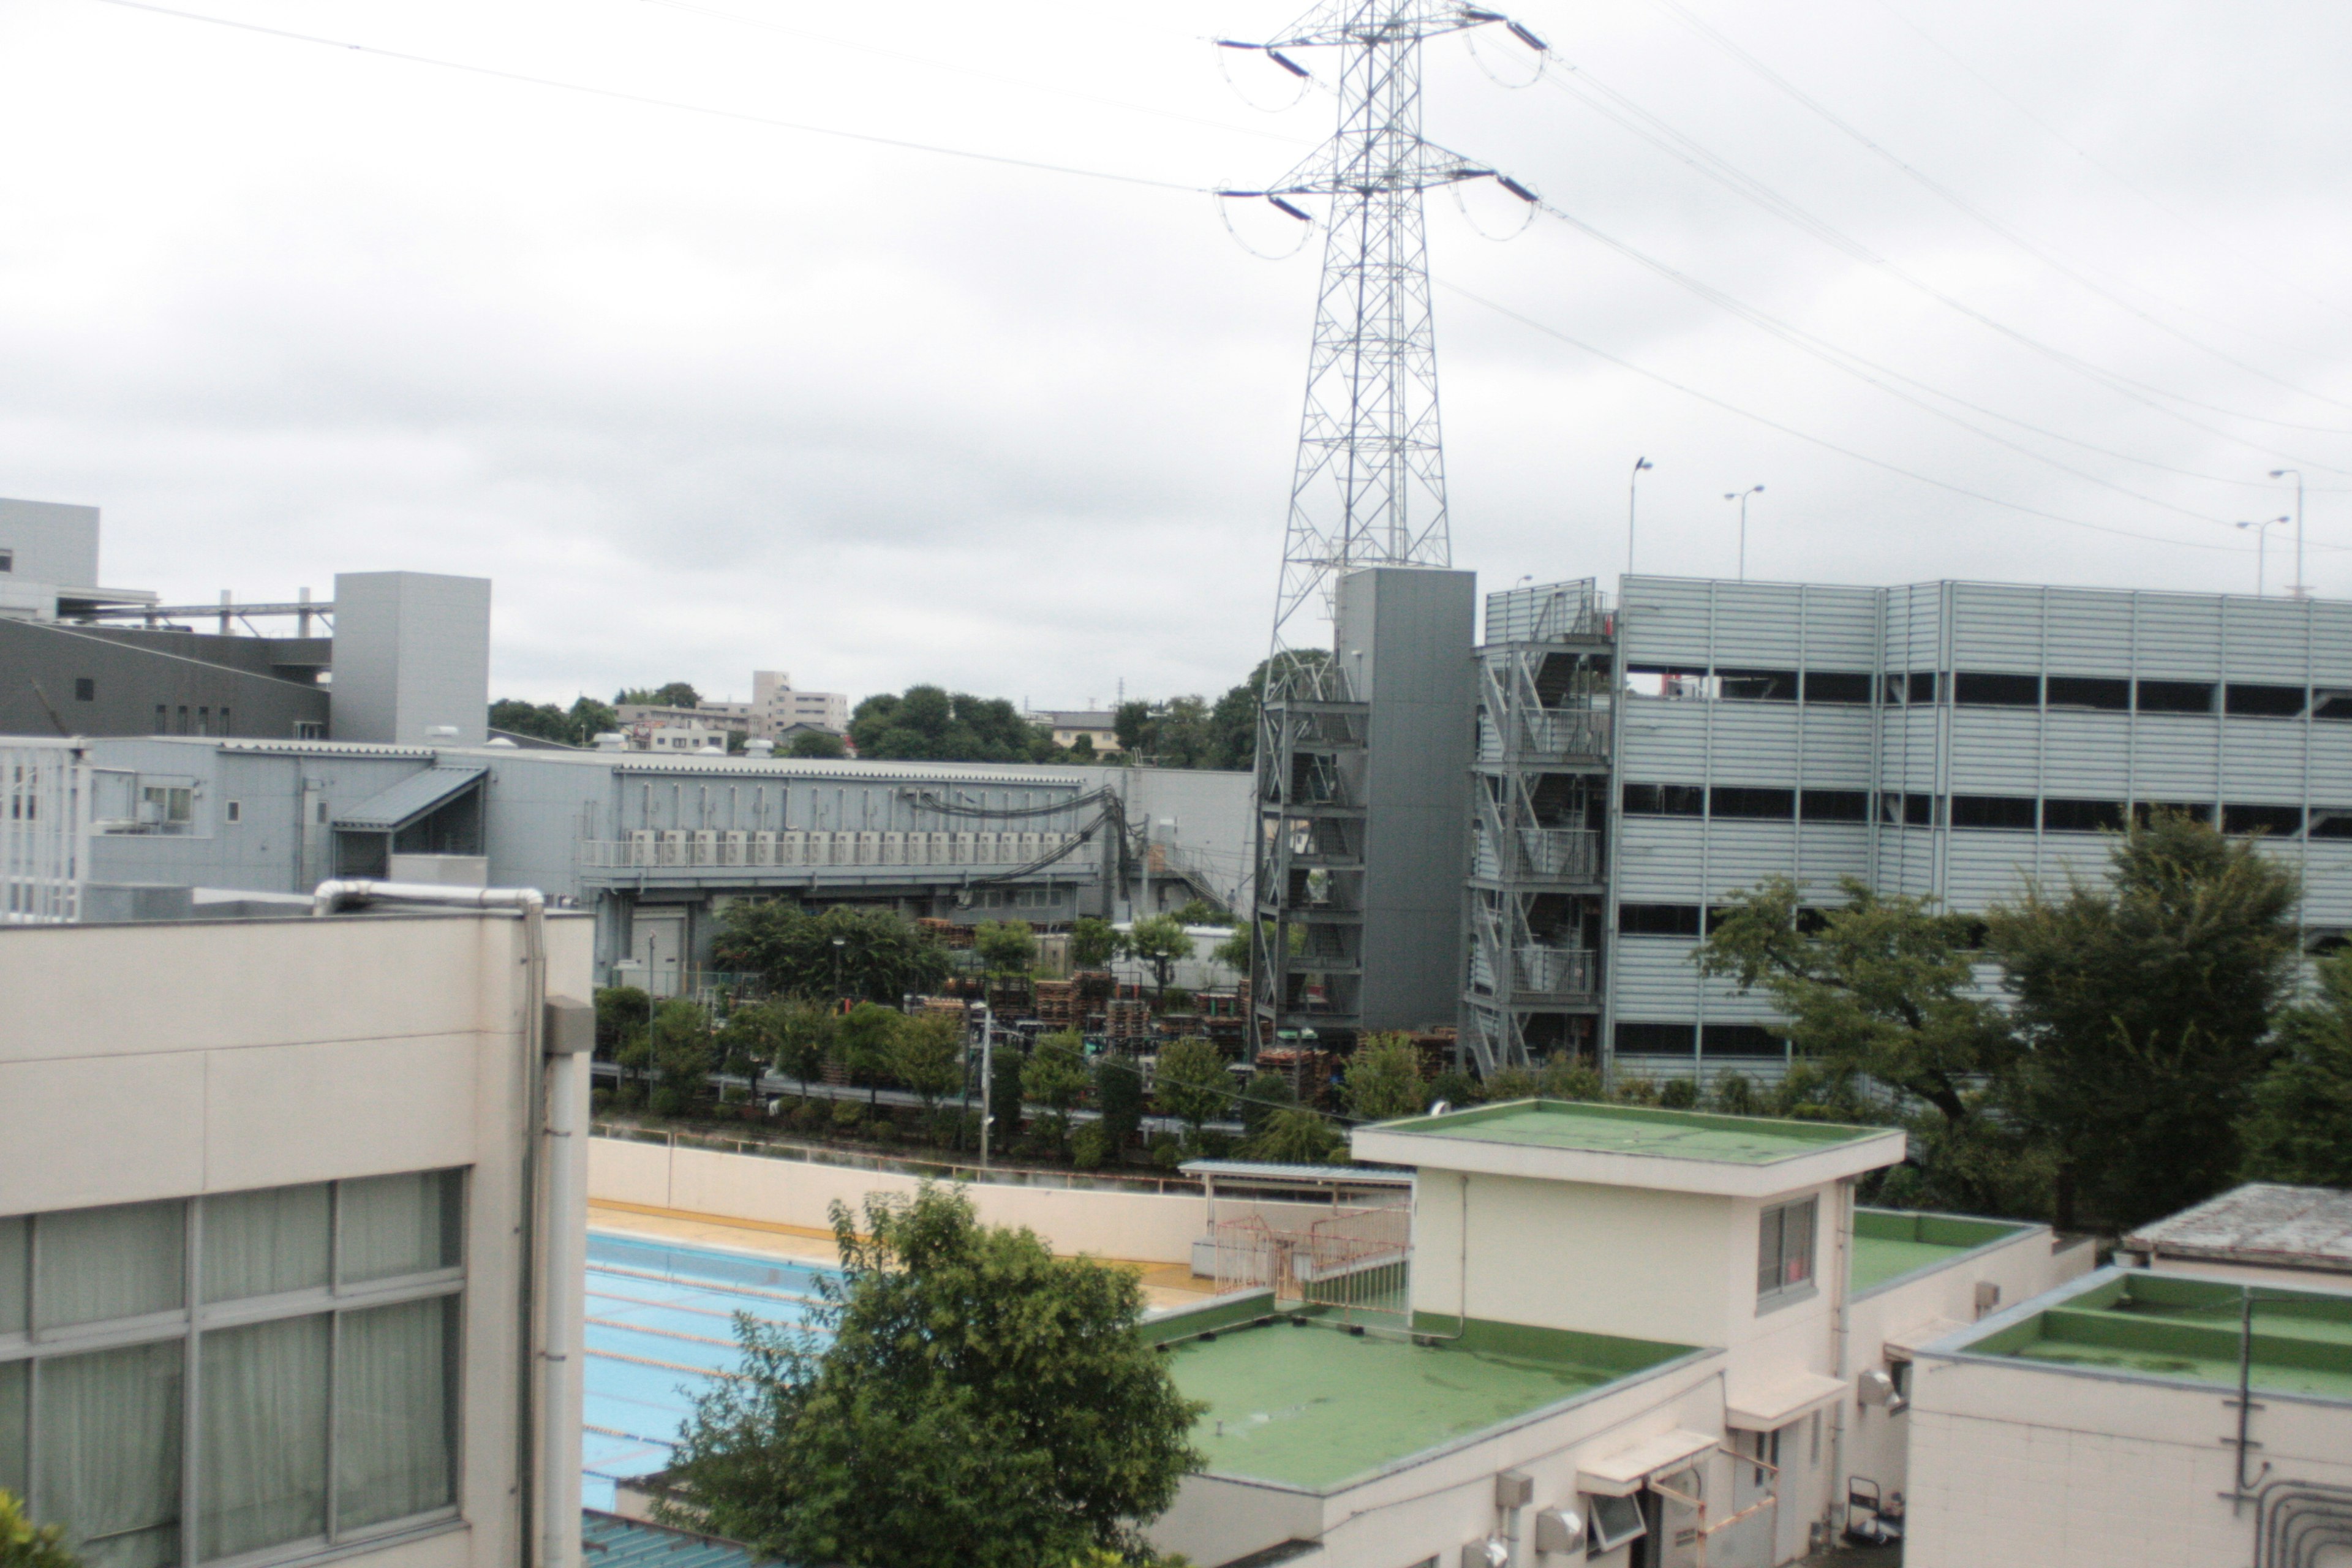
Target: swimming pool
660, 1328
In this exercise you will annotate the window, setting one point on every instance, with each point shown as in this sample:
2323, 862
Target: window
1756, 685
2331, 821
1978, 690
1784, 1253
1834, 805
163, 719
2328, 704
1906, 810
1837, 685
2089, 691
8, 561
2009, 811
167, 808
235, 810
2176, 697
1664, 800
2278, 821
1668, 680
2081, 815
324, 1329
183, 718
1778, 804
85, 688
1657, 1040
309, 730
2262, 701
1615, 1522
1922, 686
1741, 1040
1658, 919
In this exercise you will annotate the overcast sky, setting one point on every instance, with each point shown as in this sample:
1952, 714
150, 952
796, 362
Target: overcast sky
704, 395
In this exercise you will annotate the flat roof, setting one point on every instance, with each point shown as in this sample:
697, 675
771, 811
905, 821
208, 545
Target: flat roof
1312, 1405
2261, 1222
1889, 1243
2174, 1328
1627, 1145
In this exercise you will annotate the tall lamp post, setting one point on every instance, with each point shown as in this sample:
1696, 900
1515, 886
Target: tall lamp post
2298, 590
2262, 539
1633, 495
838, 943
1741, 497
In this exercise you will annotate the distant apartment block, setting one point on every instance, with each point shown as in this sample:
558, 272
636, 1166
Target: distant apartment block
775, 707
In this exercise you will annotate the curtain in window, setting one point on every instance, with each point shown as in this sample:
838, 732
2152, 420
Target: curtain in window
110, 1425
261, 1396
15, 1289
400, 1224
258, 1244
16, 1390
110, 1263
396, 1412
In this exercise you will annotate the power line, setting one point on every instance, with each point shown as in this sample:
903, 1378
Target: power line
647, 99
1550, 332
1953, 198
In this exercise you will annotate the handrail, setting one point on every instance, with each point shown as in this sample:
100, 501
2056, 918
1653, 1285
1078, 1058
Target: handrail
816, 1154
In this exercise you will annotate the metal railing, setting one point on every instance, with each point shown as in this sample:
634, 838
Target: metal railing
44, 831
937, 1170
1557, 971
693, 848
1356, 1261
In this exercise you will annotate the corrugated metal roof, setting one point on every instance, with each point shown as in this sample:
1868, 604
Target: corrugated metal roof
1317, 1175
2261, 1222
608, 1541
390, 810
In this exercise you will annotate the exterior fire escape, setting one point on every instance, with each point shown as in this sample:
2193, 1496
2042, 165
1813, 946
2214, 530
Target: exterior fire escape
1539, 804
1311, 855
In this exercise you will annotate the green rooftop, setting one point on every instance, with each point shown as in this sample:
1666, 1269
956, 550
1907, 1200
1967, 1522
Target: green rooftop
1636, 1129
1891, 1243
2188, 1330
1312, 1405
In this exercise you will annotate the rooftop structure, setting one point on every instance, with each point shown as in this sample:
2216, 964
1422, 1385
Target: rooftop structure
2260, 1225
1892, 1244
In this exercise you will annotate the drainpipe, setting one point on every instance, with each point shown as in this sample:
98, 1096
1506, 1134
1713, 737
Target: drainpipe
547, 1470
1841, 1345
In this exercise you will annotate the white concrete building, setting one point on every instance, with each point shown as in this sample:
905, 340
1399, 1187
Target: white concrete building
776, 706
277, 1212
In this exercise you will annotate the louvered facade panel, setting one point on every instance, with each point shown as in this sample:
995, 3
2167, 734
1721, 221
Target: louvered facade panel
2173, 757
1996, 750
2331, 763
1827, 851
1741, 854
1982, 867
1663, 739
1658, 860
1665, 620
1755, 743
2264, 640
2180, 637
1996, 626
2086, 754
1907, 754
2261, 761
1656, 980
1915, 625
1757, 625
2090, 633
1841, 628
1907, 860
2331, 643
1836, 747
2327, 881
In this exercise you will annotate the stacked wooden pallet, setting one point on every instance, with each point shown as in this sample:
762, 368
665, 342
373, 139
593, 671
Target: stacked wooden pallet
1057, 1003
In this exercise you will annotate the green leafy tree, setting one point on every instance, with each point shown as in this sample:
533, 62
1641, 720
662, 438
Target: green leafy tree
1885, 986
1457, 1088
1132, 724
961, 1398
1118, 1094
1266, 1093
1384, 1079
1234, 952
927, 1056
622, 1012
1092, 942
1201, 912
928, 723
541, 721
881, 958
1056, 1076
24, 1545
1158, 941
803, 1039
1295, 1135
2146, 1001
748, 1042
1192, 1083
676, 694
683, 1053
816, 743
1007, 947
1006, 1065
2299, 1127
865, 1041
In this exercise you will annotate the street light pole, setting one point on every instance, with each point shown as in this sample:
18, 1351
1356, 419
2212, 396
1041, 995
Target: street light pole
987, 1079
838, 943
2299, 590
1741, 497
1632, 494
2262, 539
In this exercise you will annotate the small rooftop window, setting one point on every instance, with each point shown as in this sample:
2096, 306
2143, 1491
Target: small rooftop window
8, 561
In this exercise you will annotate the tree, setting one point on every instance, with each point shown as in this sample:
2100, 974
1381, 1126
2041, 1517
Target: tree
881, 959
1266, 1093
1885, 986
1296, 1135
1118, 1094
1234, 952
1056, 1076
930, 724
2146, 1003
1192, 1083
803, 1039
683, 1054
676, 694
580, 726
1008, 947
748, 1042
1006, 1063
927, 1054
1158, 941
863, 1040
24, 1545
961, 1398
1384, 1079
1092, 942
818, 744
2299, 1127
1132, 724
1201, 912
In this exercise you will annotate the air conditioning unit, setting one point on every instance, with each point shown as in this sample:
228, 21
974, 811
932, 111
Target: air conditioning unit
983, 848
673, 846
732, 846
705, 847
967, 849
1032, 845
764, 850
894, 849
641, 848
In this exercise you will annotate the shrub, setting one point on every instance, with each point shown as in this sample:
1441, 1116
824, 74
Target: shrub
809, 1115
600, 1101
1637, 1091
669, 1099
1514, 1083
1167, 1151
1735, 1095
629, 1097
1090, 1146
1454, 1087
1176, 999
1678, 1094
847, 1113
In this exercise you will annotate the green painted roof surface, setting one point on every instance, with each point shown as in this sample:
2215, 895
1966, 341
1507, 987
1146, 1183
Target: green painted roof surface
1889, 1243
1875, 1260
2190, 1329
1636, 1129
1313, 1406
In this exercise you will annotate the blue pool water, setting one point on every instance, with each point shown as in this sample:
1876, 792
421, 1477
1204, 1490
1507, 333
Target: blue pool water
661, 1328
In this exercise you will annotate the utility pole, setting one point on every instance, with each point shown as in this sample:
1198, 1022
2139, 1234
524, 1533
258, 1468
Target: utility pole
2261, 541
1741, 497
2301, 590
1632, 494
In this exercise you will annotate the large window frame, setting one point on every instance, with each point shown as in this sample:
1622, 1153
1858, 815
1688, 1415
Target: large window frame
196, 1319
1788, 1238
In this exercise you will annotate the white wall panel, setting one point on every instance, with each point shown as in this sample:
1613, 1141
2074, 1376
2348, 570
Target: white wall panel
1658, 859
1995, 750
1840, 628
1996, 626
2090, 632
1663, 739
1741, 854
1665, 620
2180, 637
2173, 757
1836, 744
2086, 754
2261, 761
1981, 867
1755, 743
1827, 851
